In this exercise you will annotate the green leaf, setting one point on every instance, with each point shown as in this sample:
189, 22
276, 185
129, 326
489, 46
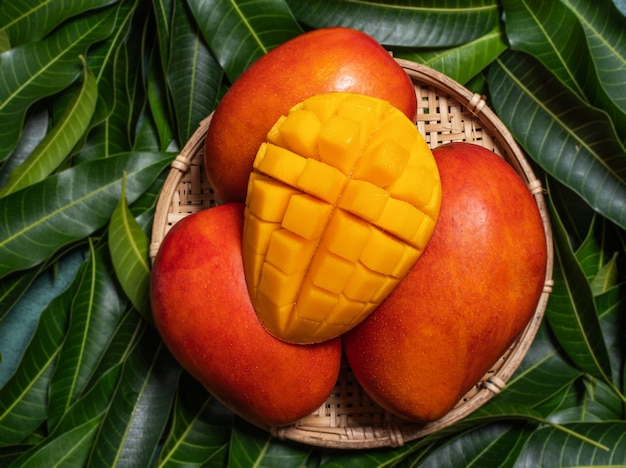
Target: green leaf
140, 407
30, 20
23, 399
128, 246
552, 34
36, 70
411, 23
605, 29
251, 446
70, 442
570, 140
200, 433
571, 310
69, 206
463, 62
239, 32
553, 447
58, 143
194, 75
95, 313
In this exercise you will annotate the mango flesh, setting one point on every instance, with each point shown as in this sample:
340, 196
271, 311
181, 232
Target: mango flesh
202, 309
320, 61
462, 305
343, 199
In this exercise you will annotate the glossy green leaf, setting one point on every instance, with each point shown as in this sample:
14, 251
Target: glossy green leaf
463, 62
71, 440
194, 75
200, 434
551, 32
23, 399
570, 140
572, 313
43, 217
30, 20
251, 446
36, 70
128, 246
95, 313
239, 32
140, 407
605, 30
610, 305
552, 447
58, 143
411, 23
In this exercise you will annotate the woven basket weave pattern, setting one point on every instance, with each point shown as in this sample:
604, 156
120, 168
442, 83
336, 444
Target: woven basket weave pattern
447, 112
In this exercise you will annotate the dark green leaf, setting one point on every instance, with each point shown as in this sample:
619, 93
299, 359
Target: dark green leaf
553, 447
95, 313
23, 399
43, 217
36, 70
60, 140
128, 246
194, 75
571, 311
140, 407
431, 23
30, 20
239, 32
464, 62
570, 140
200, 434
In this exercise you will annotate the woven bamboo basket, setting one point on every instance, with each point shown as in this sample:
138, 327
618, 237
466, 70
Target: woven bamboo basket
349, 419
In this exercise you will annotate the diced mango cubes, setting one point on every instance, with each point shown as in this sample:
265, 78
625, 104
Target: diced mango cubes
343, 198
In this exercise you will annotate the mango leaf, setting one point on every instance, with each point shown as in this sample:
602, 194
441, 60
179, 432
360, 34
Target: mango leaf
57, 143
463, 62
71, 440
36, 70
23, 399
595, 250
552, 447
200, 434
132, 427
163, 13
431, 23
610, 305
239, 32
570, 140
128, 246
551, 32
605, 29
95, 313
30, 20
41, 218
251, 446
571, 310
193, 75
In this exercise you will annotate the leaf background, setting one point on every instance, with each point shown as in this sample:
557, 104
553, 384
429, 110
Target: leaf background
84, 378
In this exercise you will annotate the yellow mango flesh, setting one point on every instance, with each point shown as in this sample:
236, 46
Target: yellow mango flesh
343, 198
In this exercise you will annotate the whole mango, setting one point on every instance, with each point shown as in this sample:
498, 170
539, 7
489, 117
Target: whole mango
319, 61
202, 309
465, 301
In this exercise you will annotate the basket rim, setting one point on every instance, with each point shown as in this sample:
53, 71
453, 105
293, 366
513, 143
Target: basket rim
395, 432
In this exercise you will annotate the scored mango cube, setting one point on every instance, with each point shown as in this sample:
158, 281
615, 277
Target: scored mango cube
343, 198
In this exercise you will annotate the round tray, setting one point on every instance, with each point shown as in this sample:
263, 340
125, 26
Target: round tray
349, 418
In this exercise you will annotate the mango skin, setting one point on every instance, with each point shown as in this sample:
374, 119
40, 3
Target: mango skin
203, 312
320, 61
468, 297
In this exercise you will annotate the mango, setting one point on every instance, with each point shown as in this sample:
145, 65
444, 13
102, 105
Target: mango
343, 198
319, 61
203, 312
463, 304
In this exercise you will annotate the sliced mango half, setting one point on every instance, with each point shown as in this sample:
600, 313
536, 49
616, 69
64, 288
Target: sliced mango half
343, 198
